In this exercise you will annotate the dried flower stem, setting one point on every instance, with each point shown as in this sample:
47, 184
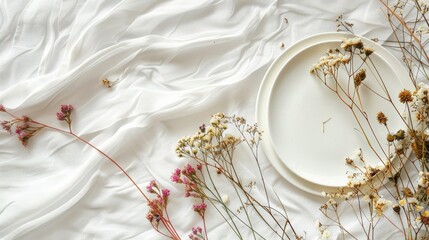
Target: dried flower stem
165, 221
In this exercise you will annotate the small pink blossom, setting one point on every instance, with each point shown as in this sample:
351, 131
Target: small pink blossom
188, 170
22, 125
165, 193
151, 186
6, 125
66, 108
64, 114
200, 209
61, 116
197, 230
175, 177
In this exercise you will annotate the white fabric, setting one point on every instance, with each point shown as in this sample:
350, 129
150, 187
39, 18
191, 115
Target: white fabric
178, 62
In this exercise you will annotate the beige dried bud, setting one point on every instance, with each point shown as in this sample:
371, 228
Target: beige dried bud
382, 119
368, 51
359, 77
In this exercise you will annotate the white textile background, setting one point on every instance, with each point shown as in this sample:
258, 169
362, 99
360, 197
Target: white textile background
177, 63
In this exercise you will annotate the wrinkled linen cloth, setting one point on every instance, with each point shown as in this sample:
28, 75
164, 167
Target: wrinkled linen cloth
175, 63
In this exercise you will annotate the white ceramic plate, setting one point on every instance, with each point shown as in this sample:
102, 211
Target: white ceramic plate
292, 106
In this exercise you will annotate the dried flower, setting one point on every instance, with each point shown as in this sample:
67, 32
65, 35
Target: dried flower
380, 206
66, 109
61, 116
64, 114
423, 179
6, 125
368, 51
175, 177
2, 109
405, 96
349, 44
150, 187
165, 193
326, 235
382, 119
200, 209
407, 192
359, 77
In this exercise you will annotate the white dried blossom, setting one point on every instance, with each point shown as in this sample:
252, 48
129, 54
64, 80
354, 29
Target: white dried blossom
349, 195
418, 220
423, 179
347, 44
380, 206
418, 208
332, 202
422, 92
325, 235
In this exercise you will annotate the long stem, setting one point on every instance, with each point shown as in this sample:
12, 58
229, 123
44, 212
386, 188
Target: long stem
166, 222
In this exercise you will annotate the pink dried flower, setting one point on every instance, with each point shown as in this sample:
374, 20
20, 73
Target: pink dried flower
197, 230
22, 125
61, 116
2, 109
149, 217
23, 136
165, 193
188, 170
6, 125
176, 179
64, 114
175, 176
199, 167
200, 209
66, 108
152, 184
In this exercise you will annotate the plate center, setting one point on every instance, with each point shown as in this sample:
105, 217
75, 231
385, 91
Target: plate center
313, 132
